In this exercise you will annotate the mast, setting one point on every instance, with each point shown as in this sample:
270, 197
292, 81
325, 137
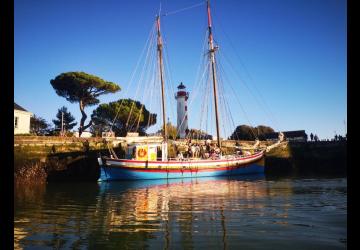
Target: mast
159, 49
213, 69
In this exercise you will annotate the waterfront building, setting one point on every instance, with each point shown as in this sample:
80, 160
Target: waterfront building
296, 135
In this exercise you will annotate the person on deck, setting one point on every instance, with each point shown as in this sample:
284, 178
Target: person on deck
180, 156
189, 151
239, 151
197, 150
213, 154
203, 150
186, 151
133, 154
208, 148
192, 148
217, 150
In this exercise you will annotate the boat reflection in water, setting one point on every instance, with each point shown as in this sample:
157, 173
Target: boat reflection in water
181, 211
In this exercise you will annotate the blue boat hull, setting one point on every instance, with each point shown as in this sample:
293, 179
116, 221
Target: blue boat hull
113, 173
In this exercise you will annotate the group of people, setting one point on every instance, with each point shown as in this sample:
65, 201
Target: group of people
314, 138
203, 150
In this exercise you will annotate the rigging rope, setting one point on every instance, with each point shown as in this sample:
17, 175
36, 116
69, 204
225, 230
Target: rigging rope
237, 99
170, 87
249, 89
197, 87
133, 73
154, 80
152, 87
183, 9
195, 93
150, 67
145, 66
269, 113
140, 113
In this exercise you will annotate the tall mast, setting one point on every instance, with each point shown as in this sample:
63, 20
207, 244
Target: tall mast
213, 69
159, 49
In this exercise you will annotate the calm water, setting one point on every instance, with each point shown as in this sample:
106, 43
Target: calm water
206, 213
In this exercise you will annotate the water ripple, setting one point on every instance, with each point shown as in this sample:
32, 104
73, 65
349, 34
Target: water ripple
200, 213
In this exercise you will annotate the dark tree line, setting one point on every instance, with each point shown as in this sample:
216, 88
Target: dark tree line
245, 132
39, 126
64, 119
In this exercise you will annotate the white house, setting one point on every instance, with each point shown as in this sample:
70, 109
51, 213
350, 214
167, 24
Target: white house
84, 134
21, 120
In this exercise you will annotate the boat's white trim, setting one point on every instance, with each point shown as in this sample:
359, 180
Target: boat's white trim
184, 164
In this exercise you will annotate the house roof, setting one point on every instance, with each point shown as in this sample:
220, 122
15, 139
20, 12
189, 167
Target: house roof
288, 134
18, 107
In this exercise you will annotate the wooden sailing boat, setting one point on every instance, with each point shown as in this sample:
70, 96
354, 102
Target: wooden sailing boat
145, 165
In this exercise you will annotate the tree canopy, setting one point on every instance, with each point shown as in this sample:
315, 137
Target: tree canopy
198, 134
245, 132
38, 125
64, 115
82, 88
131, 116
171, 131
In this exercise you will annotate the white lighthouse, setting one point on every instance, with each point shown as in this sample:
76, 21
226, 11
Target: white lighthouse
182, 110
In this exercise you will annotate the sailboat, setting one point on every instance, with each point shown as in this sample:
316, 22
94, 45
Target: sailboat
141, 160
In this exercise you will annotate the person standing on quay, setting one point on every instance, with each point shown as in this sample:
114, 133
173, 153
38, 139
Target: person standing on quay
316, 138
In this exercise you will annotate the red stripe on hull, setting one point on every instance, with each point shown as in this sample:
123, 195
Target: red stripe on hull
187, 170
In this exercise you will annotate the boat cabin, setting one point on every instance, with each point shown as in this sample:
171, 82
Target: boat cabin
147, 152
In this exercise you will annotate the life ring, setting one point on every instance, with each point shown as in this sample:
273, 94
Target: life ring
142, 152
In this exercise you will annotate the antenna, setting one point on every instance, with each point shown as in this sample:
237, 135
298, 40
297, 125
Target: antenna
62, 123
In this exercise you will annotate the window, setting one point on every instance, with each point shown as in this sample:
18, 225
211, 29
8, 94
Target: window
16, 122
185, 108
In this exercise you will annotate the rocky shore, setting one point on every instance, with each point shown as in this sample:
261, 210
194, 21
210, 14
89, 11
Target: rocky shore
42, 160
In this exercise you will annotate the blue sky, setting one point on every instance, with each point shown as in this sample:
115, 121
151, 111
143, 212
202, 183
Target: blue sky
291, 52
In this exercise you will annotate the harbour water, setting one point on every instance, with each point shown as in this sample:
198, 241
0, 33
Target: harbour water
249, 212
